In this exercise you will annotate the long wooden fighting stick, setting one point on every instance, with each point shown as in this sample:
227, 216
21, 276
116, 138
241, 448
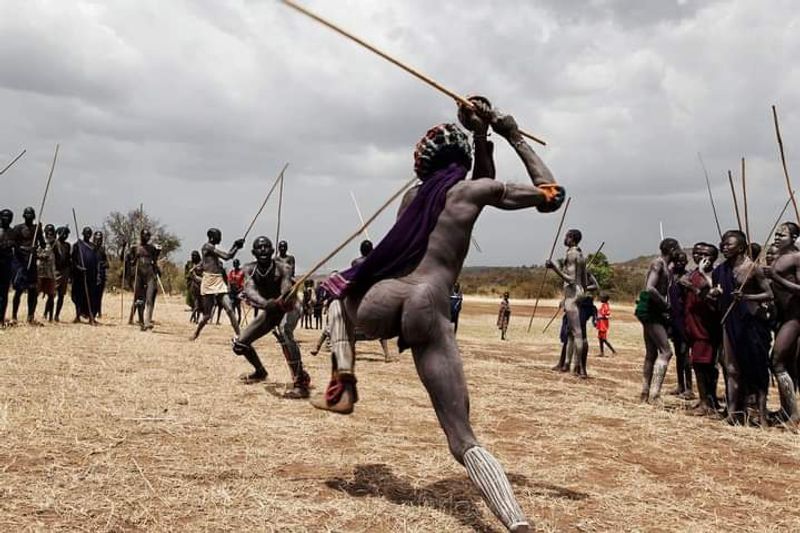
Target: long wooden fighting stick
783, 162
41, 207
588, 266
266, 199
299, 283
746, 215
12, 162
83, 266
710, 196
754, 261
414, 72
735, 201
550, 258
280, 208
360, 216
122, 285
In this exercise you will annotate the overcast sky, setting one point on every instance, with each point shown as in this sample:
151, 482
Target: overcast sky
192, 107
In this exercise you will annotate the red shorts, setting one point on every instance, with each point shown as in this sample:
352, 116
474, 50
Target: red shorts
47, 286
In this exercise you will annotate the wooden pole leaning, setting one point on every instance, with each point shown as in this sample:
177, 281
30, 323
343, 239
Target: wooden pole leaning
299, 283
710, 195
12, 162
783, 162
414, 72
83, 266
746, 213
754, 261
41, 207
550, 258
264, 203
735, 201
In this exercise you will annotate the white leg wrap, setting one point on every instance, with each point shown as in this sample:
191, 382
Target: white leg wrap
786, 389
659, 373
340, 342
488, 475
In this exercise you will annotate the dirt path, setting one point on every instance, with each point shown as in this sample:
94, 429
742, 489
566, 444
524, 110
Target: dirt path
109, 428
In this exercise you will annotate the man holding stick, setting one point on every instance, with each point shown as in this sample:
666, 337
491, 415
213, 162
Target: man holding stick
266, 279
84, 277
575, 286
27, 239
741, 289
213, 288
403, 287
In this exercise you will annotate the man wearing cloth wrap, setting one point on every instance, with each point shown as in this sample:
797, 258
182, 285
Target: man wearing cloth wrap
745, 335
7, 244
265, 281
703, 332
213, 288
402, 289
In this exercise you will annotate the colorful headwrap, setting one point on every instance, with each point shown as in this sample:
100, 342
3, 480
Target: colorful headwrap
441, 145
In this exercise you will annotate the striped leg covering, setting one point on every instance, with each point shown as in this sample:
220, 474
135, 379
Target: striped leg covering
659, 373
341, 346
788, 398
488, 475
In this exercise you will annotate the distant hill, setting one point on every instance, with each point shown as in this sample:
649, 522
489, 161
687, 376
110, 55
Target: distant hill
524, 282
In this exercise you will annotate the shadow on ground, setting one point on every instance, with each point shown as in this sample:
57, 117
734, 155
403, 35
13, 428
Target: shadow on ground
455, 496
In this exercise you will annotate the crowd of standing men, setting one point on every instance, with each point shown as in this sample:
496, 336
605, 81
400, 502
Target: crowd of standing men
39, 261
740, 314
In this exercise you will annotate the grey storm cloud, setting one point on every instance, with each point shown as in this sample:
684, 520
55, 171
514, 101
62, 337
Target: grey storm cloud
191, 108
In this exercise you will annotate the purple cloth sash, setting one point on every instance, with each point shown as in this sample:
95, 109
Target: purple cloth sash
401, 250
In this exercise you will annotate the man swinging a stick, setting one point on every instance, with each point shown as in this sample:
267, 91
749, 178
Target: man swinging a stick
402, 289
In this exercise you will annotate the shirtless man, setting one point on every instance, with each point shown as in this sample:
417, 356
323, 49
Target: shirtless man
98, 239
25, 264
746, 336
213, 288
63, 255
145, 264
6, 258
652, 310
677, 330
47, 271
403, 287
785, 275
265, 281
575, 282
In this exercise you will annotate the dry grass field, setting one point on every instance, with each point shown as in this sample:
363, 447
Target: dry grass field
112, 429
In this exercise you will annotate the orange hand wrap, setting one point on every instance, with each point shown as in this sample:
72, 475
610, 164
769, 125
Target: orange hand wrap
550, 191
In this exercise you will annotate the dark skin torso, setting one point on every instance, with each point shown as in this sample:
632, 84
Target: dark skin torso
7, 243
145, 256
23, 238
62, 250
265, 281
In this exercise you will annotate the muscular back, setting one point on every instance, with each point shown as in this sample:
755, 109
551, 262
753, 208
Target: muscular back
449, 241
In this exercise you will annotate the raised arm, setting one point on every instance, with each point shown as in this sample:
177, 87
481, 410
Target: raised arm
238, 244
543, 193
477, 121
506, 127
